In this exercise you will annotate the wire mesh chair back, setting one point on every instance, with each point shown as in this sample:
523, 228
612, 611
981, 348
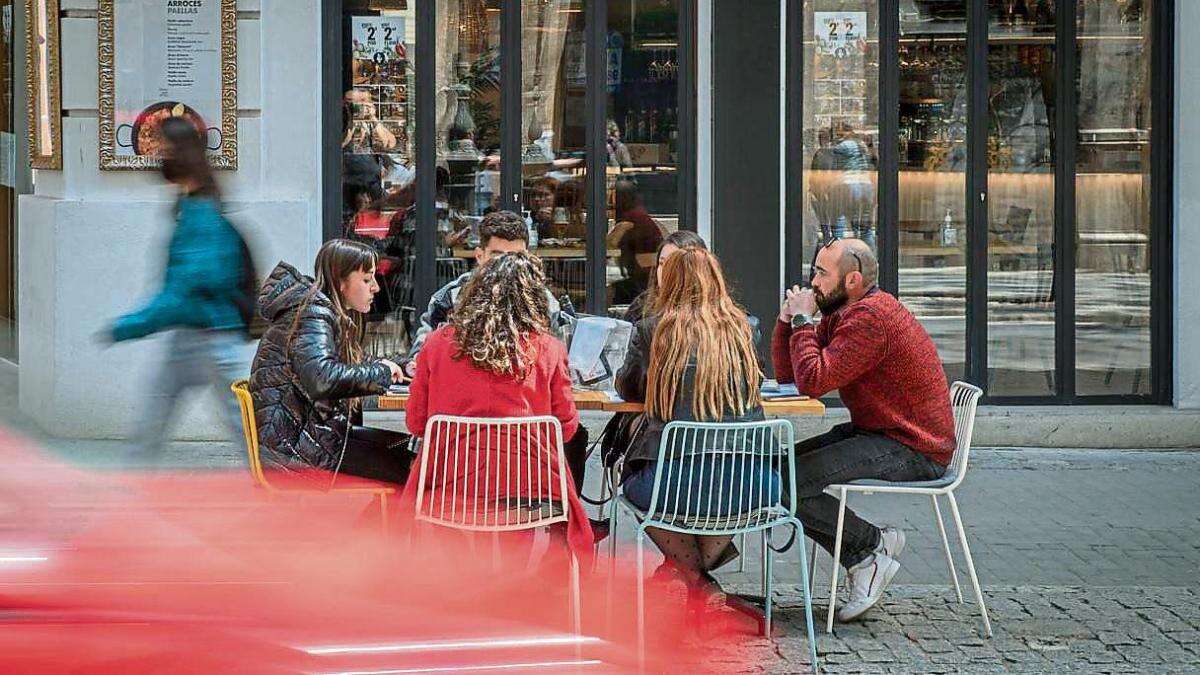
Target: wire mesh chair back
492, 474
726, 478
964, 398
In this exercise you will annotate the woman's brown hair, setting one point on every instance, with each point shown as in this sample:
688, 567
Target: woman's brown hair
700, 323
502, 308
336, 260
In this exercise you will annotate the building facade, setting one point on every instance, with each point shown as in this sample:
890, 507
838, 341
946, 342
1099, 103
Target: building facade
1039, 230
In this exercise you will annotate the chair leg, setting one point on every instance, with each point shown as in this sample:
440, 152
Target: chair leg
767, 561
576, 614
962, 539
641, 600
937, 515
742, 557
763, 569
612, 562
837, 560
812, 564
383, 514
806, 581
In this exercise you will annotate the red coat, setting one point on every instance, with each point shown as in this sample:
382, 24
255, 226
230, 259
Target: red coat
445, 385
884, 365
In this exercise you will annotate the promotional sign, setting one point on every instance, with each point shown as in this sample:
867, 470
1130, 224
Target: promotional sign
161, 59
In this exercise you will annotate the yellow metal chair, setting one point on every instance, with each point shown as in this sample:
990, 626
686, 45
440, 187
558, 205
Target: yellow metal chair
380, 492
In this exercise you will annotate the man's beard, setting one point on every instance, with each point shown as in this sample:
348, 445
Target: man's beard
828, 304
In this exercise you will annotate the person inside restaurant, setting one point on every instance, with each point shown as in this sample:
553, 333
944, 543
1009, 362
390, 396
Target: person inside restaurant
879, 358
637, 236
496, 356
693, 359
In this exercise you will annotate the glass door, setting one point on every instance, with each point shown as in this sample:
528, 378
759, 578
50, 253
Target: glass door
8, 211
932, 149
1021, 160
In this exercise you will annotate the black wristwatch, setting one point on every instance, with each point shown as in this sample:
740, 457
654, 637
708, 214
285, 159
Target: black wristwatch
799, 320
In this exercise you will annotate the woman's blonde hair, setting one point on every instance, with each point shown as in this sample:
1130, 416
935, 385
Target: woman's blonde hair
502, 308
699, 322
336, 260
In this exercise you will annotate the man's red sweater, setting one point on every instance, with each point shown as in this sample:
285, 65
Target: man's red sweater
884, 365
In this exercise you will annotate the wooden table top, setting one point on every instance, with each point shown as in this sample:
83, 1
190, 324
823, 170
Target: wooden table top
597, 400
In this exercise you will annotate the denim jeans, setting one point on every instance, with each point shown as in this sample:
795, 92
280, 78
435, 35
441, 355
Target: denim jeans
195, 358
841, 455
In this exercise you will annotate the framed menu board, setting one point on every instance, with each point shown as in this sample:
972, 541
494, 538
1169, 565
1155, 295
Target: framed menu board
166, 58
42, 77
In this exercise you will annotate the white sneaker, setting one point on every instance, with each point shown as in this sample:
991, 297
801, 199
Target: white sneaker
867, 581
891, 542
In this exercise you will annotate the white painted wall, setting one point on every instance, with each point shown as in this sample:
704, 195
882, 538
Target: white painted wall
92, 243
1187, 207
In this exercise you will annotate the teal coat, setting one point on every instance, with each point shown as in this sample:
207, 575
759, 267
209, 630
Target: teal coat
204, 271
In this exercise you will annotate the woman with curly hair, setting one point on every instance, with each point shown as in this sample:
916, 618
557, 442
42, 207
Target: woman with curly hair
498, 358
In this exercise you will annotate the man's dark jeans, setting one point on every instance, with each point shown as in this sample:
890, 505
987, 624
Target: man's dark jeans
841, 455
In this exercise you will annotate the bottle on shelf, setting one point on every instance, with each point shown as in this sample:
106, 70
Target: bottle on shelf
531, 229
949, 235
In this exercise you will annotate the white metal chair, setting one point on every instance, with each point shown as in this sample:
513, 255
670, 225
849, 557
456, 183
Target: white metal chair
964, 398
496, 475
755, 450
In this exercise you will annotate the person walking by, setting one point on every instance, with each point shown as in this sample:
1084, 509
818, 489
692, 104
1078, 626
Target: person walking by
199, 301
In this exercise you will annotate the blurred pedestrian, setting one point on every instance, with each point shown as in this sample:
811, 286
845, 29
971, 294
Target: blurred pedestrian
203, 285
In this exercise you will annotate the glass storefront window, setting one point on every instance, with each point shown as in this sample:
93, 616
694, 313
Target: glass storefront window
1021, 161
932, 182
8, 211
642, 85
841, 120
1112, 200
554, 140
379, 156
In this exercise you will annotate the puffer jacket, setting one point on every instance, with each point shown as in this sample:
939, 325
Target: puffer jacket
302, 391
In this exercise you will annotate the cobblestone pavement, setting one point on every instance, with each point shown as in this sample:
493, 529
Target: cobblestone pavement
1052, 629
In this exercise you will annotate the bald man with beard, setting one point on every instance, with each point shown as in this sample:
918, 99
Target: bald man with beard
886, 368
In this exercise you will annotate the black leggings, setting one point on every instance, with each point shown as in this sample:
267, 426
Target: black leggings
377, 454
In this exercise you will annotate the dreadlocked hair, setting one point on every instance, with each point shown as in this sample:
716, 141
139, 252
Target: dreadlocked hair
501, 309
699, 321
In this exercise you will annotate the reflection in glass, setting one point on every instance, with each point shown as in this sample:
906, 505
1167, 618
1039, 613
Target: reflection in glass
554, 140
933, 163
841, 119
379, 158
8, 211
1112, 201
1021, 159
642, 81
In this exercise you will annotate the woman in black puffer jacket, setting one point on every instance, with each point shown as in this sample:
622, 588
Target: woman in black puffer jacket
309, 374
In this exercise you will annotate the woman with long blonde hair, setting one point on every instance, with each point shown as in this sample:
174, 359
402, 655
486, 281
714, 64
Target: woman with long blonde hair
497, 357
691, 359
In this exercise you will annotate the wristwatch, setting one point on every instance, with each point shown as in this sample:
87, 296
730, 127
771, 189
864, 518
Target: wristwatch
799, 320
